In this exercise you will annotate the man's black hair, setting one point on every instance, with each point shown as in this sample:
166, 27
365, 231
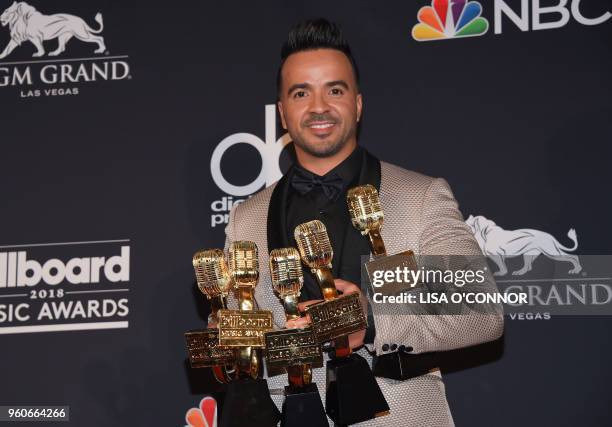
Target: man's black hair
315, 34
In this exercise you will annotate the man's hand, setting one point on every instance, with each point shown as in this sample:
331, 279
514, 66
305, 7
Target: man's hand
346, 287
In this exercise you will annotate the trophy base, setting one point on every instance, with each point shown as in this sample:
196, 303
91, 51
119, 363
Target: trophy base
303, 408
248, 404
353, 395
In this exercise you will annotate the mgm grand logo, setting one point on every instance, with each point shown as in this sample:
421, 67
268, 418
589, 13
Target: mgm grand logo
47, 35
556, 280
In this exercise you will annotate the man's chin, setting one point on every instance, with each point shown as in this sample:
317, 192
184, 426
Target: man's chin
321, 149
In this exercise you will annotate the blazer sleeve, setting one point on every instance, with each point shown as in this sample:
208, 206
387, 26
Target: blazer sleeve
442, 232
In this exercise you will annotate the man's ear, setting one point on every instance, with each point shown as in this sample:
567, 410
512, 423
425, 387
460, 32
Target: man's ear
282, 114
359, 106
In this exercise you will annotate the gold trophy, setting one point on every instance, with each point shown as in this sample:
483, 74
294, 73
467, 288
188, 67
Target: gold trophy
247, 398
294, 350
353, 395
244, 329
336, 317
214, 281
367, 216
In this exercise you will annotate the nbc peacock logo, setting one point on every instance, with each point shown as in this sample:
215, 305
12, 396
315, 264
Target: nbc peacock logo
205, 415
448, 19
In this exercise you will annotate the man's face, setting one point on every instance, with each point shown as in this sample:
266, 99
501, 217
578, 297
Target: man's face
319, 103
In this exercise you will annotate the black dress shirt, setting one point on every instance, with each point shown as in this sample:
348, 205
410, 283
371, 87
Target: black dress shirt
334, 214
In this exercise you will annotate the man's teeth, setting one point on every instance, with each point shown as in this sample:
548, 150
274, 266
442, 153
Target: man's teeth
323, 126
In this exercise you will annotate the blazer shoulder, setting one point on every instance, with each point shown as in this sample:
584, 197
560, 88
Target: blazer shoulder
397, 177
254, 205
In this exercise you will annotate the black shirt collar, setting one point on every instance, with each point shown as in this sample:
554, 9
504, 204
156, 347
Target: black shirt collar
349, 169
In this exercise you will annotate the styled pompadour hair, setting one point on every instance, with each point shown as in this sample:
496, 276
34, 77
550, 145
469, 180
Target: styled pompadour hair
315, 34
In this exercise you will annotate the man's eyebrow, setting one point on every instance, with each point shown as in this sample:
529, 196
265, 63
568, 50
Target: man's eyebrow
308, 86
338, 83
298, 86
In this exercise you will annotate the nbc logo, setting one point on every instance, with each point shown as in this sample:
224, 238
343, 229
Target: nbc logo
446, 19
205, 415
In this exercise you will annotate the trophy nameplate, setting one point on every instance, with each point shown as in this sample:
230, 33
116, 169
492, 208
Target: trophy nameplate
337, 317
204, 351
238, 328
291, 347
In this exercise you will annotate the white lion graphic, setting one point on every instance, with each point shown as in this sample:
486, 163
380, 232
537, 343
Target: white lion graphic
499, 244
26, 23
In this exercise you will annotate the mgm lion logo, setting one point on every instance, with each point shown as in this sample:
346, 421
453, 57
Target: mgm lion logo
499, 244
27, 24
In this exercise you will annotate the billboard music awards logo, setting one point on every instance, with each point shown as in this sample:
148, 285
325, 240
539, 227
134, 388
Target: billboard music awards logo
269, 151
71, 286
26, 29
452, 19
560, 286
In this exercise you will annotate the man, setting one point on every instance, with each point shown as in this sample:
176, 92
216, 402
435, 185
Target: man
320, 105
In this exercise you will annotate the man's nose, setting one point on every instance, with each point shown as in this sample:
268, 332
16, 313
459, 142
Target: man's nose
318, 103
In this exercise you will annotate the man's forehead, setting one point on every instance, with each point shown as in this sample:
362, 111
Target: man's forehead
318, 65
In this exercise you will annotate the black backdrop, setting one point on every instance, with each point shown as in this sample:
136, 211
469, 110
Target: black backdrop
517, 122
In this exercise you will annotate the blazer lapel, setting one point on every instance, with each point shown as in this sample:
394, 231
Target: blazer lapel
277, 209
276, 238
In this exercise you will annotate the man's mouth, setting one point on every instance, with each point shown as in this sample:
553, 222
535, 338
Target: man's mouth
325, 125
321, 129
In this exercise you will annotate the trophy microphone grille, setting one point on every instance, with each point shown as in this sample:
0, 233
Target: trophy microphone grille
364, 207
244, 262
211, 272
313, 243
286, 271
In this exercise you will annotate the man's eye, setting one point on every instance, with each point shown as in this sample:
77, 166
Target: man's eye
299, 94
336, 91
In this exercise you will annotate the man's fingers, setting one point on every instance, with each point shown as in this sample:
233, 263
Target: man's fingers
300, 322
345, 286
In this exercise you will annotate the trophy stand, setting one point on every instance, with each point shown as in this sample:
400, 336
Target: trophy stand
203, 347
294, 350
352, 395
247, 399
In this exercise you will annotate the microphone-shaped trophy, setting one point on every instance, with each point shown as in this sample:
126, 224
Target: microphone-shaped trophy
367, 216
295, 350
214, 281
247, 399
352, 394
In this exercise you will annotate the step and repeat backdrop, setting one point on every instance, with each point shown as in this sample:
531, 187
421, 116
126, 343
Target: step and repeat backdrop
128, 130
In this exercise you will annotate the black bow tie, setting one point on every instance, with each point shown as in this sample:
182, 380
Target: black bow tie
304, 181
